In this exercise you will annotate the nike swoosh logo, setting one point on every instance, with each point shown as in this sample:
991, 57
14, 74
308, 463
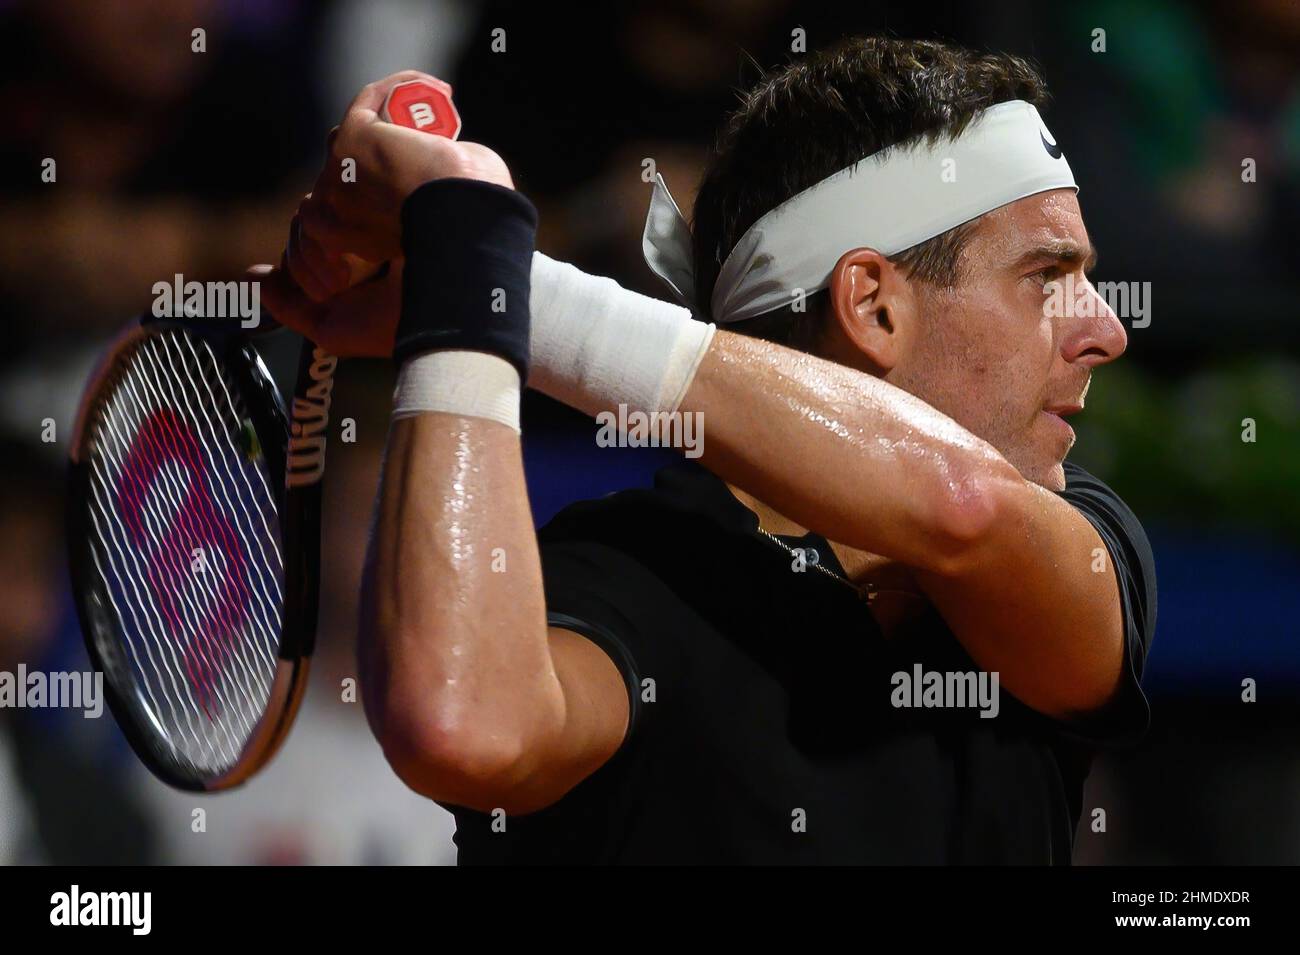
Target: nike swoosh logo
1053, 150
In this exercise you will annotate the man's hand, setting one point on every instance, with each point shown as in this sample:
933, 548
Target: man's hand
359, 322
321, 289
391, 162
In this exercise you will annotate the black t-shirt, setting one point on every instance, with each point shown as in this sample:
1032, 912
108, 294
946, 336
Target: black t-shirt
762, 725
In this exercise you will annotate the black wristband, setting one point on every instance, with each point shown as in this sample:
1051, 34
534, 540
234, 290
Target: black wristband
469, 256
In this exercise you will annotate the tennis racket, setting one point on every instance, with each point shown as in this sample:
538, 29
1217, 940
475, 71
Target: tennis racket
194, 528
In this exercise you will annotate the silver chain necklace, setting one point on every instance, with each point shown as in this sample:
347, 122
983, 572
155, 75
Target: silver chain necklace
865, 592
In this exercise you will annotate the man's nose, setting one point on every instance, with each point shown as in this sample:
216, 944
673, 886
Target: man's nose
1097, 335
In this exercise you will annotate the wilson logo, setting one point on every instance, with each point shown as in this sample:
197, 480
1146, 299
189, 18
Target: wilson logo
310, 417
201, 612
422, 115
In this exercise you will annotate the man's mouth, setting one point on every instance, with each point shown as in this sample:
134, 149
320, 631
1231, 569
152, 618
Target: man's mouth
1064, 411
1057, 414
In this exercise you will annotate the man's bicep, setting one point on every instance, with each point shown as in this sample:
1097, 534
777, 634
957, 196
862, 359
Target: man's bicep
597, 707
1056, 604
1032, 610
596, 714
626, 610
1127, 552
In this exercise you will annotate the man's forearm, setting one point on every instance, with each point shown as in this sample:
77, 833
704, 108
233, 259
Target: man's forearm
845, 454
462, 691
455, 663
840, 452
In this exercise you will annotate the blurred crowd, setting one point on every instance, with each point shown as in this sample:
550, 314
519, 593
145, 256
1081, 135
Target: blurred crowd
171, 160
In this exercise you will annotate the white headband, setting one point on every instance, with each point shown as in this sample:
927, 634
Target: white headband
890, 201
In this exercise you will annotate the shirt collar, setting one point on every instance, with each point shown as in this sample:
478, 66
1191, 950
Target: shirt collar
696, 488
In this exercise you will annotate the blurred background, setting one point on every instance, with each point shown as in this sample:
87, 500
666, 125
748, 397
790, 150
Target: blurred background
174, 161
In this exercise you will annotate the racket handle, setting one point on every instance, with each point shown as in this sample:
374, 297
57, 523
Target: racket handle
423, 105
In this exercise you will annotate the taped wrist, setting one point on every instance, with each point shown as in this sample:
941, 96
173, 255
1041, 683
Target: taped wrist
597, 345
468, 247
466, 383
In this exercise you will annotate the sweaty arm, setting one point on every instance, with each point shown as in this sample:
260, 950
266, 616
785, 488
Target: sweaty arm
475, 701
1013, 568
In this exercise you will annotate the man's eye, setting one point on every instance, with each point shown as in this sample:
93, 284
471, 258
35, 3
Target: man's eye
1043, 276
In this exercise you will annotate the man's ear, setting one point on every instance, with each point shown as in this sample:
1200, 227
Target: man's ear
871, 305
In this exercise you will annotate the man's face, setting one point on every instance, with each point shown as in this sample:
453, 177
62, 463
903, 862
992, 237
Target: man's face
993, 356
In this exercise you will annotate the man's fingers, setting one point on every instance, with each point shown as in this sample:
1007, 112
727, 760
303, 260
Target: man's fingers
348, 321
287, 303
365, 107
318, 273
322, 226
344, 325
323, 258
296, 265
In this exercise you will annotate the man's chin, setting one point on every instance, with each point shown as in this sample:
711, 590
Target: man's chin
1049, 475
1055, 478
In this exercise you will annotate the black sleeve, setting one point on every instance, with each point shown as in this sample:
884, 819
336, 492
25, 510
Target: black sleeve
614, 601
1126, 718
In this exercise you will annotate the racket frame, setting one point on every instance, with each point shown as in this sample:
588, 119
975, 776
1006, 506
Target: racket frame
298, 513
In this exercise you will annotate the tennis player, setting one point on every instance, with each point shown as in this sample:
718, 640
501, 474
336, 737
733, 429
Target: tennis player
881, 620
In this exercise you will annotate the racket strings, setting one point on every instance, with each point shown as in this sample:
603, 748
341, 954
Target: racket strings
193, 520
188, 553
145, 593
165, 564
214, 527
167, 605
264, 603
203, 751
171, 538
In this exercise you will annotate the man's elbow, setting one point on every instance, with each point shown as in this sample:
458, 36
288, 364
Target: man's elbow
968, 509
1095, 681
449, 759
437, 741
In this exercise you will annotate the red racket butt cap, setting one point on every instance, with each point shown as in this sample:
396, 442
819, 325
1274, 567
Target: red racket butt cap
423, 105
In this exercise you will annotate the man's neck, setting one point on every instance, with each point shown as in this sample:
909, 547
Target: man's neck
862, 567
899, 603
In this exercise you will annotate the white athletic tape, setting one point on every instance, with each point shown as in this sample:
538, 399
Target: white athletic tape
595, 345
469, 383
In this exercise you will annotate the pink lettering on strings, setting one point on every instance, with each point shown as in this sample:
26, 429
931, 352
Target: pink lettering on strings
218, 612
